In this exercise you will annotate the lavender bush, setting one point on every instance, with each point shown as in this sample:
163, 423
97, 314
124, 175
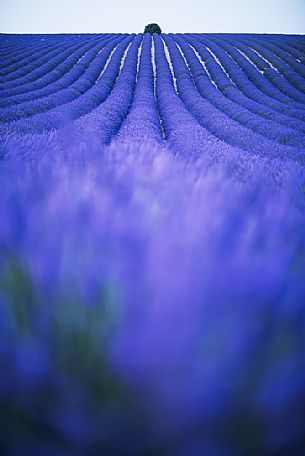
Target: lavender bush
152, 245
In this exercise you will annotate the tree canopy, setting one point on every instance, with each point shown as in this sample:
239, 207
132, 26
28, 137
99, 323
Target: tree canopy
152, 28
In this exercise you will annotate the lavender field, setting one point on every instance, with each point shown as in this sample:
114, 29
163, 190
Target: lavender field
152, 244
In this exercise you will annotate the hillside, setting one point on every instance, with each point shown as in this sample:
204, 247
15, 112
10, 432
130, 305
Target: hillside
152, 244
245, 91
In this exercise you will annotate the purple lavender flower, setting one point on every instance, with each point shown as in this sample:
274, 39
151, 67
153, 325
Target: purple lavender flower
152, 250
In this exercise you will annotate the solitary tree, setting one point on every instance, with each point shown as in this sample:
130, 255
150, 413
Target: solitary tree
152, 28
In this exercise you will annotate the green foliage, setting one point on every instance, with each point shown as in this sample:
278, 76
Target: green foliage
152, 28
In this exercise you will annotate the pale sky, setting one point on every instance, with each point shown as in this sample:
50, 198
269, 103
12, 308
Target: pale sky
92, 16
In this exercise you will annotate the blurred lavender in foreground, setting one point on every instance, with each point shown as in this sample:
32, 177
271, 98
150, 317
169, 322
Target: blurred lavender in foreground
148, 304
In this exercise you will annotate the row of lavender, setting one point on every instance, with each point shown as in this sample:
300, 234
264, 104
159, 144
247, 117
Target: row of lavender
152, 252
216, 80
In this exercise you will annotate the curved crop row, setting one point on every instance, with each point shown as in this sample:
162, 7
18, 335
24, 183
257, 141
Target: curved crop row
49, 66
206, 89
276, 71
183, 132
254, 73
214, 120
36, 52
237, 89
66, 74
142, 123
251, 82
237, 107
286, 63
79, 99
105, 120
